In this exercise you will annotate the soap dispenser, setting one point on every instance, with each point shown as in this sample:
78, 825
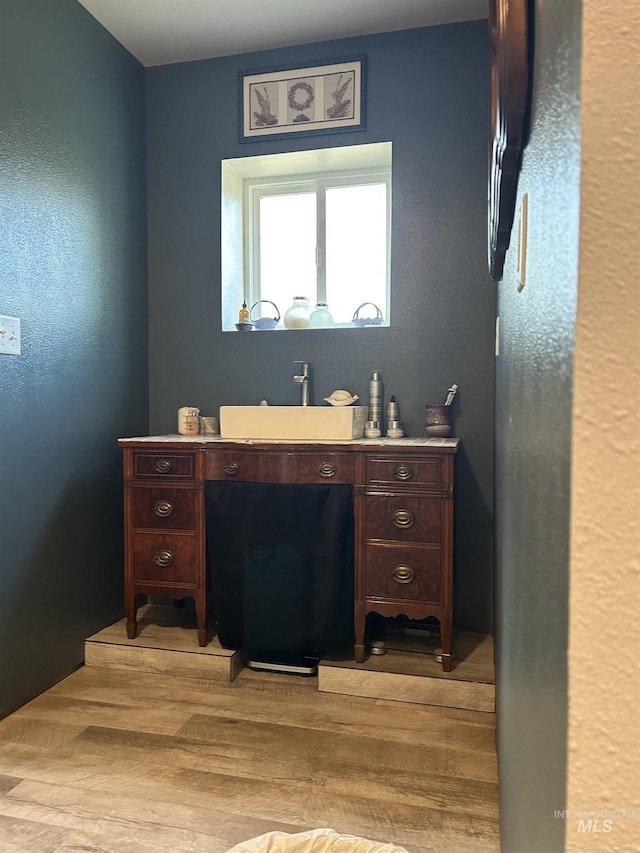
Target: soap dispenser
394, 424
243, 313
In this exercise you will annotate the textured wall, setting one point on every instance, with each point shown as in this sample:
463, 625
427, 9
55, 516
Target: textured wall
534, 376
73, 268
604, 642
427, 93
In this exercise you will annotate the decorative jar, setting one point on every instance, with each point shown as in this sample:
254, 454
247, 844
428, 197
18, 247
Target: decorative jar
183, 413
298, 315
321, 318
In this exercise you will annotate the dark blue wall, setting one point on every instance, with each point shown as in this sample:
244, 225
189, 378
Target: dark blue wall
73, 268
427, 92
534, 391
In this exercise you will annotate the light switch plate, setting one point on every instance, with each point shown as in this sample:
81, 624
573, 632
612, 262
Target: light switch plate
9, 335
522, 241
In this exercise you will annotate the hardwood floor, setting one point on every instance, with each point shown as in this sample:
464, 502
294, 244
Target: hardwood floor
118, 761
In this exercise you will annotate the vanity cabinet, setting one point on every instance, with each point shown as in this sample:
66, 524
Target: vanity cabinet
404, 536
165, 539
403, 493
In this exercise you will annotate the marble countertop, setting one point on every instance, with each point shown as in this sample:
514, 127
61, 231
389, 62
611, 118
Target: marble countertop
407, 441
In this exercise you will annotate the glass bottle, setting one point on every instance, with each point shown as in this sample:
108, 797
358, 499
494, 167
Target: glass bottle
243, 313
298, 315
321, 318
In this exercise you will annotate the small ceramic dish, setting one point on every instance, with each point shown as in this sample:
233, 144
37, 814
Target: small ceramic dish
244, 327
341, 398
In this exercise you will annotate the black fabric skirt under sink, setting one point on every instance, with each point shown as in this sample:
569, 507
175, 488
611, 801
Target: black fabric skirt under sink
281, 564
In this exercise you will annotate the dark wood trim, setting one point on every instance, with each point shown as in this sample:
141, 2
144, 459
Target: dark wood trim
509, 101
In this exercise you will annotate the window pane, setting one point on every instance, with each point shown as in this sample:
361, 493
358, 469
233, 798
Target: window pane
356, 249
288, 248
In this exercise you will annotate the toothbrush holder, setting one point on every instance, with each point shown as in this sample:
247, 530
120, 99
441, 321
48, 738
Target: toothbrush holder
438, 420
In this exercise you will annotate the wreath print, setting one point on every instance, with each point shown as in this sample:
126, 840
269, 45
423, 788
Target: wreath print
297, 105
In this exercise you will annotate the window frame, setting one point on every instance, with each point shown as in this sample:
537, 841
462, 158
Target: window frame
318, 182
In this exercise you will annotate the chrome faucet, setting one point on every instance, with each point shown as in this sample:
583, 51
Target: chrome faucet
302, 379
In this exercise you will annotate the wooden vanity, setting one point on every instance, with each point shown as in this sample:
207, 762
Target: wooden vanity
403, 493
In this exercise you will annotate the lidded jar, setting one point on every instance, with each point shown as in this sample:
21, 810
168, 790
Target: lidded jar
183, 413
321, 318
298, 315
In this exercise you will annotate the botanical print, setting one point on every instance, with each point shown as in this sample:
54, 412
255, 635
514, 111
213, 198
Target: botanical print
342, 106
300, 97
263, 117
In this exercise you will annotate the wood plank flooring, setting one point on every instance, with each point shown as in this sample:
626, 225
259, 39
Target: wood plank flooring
118, 761
410, 671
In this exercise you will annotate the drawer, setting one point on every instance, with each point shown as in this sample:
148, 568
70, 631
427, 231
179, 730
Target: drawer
403, 572
388, 470
162, 507
168, 466
165, 558
405, 518
274, 467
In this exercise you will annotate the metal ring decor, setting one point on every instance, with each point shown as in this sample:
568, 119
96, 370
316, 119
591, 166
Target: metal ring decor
403, 574
163, 466
163, 508
403, 519
357, 320
403, 472
231, 468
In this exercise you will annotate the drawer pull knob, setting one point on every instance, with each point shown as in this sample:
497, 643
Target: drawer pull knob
403, 519
403, 472
163, 466
327, 469
163, 509
163, 558
403, 574
231, 468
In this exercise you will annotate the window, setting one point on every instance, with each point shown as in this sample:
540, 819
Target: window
311, 223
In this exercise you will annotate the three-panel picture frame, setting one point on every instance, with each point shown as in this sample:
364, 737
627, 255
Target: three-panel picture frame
299, 99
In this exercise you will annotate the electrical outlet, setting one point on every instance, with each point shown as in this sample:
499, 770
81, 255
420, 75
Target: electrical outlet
9, 335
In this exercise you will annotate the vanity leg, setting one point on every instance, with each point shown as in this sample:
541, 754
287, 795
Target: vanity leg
359, 626
130, 610
446, 637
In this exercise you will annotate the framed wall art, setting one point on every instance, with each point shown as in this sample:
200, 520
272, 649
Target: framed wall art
297, 100
509, 104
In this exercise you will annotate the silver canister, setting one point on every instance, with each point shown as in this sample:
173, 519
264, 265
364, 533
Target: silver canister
209, 426
395, 429
372, 429
375, 397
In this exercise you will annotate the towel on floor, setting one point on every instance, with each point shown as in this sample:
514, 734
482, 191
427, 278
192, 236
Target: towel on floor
314, 841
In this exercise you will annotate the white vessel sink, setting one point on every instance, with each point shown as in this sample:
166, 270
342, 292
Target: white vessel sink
294, 423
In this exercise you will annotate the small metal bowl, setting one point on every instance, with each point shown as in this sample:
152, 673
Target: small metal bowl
378, 648
244, 327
